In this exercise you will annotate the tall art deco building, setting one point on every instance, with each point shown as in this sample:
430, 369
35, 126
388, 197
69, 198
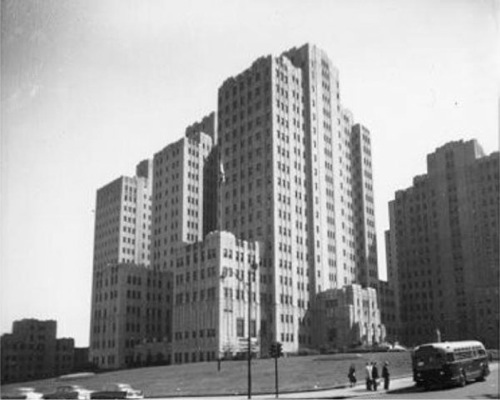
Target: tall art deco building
261, 216
298, 179
444, 249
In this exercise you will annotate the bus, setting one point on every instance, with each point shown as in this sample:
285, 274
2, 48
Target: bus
449, 363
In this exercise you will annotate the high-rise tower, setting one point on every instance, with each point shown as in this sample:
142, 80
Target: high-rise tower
297, 178
130, 302
178, 194
123, 218
444, 247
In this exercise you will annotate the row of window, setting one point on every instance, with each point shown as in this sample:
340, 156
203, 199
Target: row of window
186, 298
180, 358
202, 333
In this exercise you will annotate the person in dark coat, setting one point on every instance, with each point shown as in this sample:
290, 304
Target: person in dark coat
386, 375
368, 370
352, 375
374, 376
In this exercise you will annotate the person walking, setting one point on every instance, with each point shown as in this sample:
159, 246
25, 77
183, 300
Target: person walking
386, 375
374, 375
369, 378
352, 375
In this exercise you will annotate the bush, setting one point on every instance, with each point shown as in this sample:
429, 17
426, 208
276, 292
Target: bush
308, 352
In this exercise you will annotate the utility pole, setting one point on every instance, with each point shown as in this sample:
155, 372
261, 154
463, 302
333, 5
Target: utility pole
249, 355
276, 376
253, 267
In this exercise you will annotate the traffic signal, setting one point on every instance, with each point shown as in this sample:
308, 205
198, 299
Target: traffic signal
272, 350
279, 349
276, 350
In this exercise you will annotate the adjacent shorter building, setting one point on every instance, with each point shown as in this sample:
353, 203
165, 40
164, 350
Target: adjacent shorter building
81, 360
32, 351
132, 305
487, 315
443, 247
214, 282
119, 315
388, 312
347, 317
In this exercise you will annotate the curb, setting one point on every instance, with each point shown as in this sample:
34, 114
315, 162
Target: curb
310, 390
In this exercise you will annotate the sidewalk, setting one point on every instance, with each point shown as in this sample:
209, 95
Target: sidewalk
344, 392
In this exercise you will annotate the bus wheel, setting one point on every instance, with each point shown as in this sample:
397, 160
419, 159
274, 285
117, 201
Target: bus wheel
463, 379
482, 377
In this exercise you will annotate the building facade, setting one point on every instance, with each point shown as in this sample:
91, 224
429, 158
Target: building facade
297, 177
123, 220
132, 305
32, 351
348, 317
444, 241
122, 238
391, 316
152, 352
386, 298
212, 294
281, 167
180, 197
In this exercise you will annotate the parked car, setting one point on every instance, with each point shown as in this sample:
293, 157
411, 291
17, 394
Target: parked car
69, 392
397, 348
117, 391
23, 393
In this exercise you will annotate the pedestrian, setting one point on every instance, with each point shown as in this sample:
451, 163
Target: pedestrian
386, 375
368, 370
374, 376
352, 375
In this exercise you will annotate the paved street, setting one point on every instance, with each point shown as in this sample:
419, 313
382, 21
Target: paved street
477, 390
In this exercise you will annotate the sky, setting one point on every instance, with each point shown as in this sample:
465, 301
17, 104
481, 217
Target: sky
90, 88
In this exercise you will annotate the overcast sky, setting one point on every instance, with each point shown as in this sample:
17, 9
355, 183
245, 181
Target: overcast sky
90, 88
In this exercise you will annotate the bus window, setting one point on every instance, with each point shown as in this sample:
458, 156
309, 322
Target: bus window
450, 357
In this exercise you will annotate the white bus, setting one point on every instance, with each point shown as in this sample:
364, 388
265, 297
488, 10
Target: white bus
449, 363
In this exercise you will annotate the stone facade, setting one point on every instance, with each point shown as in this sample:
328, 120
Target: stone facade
298, 178
211, 298
348, 317
180, 198
132, 304
444, 241
152, 352
122, 238
32, 351
282, 164
386, 297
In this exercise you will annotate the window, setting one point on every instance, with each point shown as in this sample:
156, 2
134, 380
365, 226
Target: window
253, 328
240, 327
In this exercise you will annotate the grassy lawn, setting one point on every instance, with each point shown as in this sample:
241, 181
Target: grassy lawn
295, 374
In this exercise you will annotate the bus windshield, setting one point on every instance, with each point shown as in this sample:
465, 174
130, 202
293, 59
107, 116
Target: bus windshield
429, 357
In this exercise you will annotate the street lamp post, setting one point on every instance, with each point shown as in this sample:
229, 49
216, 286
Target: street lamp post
253, 268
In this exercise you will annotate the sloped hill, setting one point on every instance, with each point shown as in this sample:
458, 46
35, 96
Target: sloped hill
295, 374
